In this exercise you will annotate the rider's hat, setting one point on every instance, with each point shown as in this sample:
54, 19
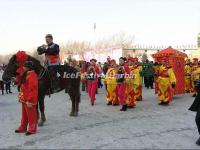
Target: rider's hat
49, 36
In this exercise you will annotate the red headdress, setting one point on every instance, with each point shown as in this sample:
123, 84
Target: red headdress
112, 60
21, 58
131, 59
165, 61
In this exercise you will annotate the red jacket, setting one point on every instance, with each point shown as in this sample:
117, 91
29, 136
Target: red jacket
126, 68
29, 89
96, 69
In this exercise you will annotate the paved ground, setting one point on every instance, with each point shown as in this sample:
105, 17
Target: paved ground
101, 126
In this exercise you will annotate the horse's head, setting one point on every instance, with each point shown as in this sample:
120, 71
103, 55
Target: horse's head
11, 69
15, 66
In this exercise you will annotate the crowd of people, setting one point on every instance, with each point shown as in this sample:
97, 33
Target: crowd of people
4, 85
123, 81
192, 72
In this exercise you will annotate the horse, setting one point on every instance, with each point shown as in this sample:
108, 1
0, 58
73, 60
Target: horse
71, 84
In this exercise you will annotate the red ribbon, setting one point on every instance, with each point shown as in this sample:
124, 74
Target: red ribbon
21, 58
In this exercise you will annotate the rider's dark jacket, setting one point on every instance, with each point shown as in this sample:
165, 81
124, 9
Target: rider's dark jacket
51, 53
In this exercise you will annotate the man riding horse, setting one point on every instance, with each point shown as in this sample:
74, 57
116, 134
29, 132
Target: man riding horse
52, 62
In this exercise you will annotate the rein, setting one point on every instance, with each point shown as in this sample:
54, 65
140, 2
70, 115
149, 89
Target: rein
42, 73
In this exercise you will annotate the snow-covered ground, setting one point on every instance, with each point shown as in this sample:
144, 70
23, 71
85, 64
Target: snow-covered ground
147, 126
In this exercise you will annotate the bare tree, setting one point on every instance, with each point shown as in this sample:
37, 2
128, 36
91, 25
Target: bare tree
120, 39
71, 48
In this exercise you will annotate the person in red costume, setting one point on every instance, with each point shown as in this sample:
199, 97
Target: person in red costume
122, 73
28, 96
92, 80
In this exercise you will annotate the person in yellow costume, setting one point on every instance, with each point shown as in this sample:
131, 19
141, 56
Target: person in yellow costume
139, 87
188, 72
134, 82
110, 80
195, 75
166, 82
156, 74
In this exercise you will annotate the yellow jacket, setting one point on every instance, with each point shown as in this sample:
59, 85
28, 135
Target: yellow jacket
111, 76
166, 75
137, 78
172, 76
140, 70
188, 70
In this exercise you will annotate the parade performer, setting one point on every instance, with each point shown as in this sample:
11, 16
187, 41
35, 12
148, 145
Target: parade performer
110, 81
28, 96
51, 51
139, 87
132, 86
156, 75
195, 75
166, 82
105, 68
188, 72
122, 78
92, 80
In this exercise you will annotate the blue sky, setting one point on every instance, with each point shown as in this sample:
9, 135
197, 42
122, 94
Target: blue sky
23, 23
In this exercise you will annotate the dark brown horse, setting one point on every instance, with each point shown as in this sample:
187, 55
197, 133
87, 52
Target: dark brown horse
71, 84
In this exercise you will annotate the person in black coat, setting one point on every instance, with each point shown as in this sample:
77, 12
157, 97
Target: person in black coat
196, 108
53, 62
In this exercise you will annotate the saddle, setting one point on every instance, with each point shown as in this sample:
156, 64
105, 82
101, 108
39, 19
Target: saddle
53, 76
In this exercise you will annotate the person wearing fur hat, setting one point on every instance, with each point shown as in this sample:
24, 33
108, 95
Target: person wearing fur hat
122, 72
166, 82
92, 75
110, 81
28, 97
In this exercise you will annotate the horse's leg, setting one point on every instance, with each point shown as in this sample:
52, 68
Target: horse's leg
73, 107
71, 95
77, 101
41, 107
